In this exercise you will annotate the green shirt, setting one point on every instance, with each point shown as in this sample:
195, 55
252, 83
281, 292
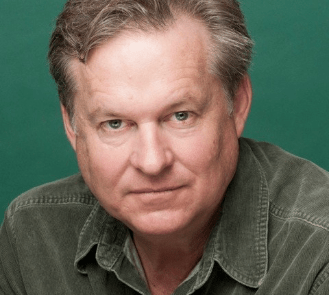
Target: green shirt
272, 236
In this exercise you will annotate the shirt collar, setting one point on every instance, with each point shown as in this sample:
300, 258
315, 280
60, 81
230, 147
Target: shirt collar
241, 246
239, 238
105, 232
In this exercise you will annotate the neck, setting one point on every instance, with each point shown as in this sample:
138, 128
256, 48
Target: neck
166, 264
162, 251
168, 260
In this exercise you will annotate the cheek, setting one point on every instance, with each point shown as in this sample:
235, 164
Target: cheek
212, 155
101, 166
198, 152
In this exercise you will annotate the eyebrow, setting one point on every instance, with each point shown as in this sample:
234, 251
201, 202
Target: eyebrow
187, 99
201, 105
99, 110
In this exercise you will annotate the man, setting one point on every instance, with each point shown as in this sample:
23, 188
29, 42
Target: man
171, 200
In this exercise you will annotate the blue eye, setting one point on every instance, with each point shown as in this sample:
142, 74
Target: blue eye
115, 124
182, 116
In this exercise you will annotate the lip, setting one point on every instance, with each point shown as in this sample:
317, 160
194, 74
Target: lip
148, 190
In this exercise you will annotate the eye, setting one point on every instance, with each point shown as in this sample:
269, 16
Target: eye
114, 124
182, 119
182, 116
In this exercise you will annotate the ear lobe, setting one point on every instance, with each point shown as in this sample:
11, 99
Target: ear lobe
242, 104
70, 133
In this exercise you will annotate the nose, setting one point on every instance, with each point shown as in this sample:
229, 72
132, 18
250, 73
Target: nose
151, 152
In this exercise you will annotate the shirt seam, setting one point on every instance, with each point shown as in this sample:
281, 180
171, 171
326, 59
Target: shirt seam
262, 220
295, 214
82, 251
254, 279
49, 200
321, 279
201, 277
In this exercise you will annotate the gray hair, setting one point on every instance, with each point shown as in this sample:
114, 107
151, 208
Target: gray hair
85, 24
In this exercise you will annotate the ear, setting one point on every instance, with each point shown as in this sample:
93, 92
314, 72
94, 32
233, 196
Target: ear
242, 104
69, 130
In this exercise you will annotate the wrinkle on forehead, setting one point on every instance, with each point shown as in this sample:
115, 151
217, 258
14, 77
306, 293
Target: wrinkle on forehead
126, 55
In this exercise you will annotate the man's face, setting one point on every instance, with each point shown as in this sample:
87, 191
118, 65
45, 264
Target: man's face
155, 142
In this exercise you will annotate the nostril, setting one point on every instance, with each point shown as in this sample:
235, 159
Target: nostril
152, 161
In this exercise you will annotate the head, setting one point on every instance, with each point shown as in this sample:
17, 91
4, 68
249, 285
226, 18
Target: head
84, 25
155, 139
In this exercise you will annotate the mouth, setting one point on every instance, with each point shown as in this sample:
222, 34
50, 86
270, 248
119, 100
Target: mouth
155, 190
157, 198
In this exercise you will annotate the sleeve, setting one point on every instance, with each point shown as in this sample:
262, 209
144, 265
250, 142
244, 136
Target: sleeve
11, 281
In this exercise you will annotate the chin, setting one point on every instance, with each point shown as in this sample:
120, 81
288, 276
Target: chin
158, 223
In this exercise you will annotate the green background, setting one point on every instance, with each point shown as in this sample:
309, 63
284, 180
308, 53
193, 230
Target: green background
289, 74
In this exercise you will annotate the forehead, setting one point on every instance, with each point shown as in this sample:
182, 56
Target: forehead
185, 37
172, 60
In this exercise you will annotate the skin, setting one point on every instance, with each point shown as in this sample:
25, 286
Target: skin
155, 142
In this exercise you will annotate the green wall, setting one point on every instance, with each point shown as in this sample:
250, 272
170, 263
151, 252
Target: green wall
289, 73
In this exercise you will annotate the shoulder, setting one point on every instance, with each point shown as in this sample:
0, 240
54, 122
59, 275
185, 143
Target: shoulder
298, 189
67, 191
55, 212
43, 227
